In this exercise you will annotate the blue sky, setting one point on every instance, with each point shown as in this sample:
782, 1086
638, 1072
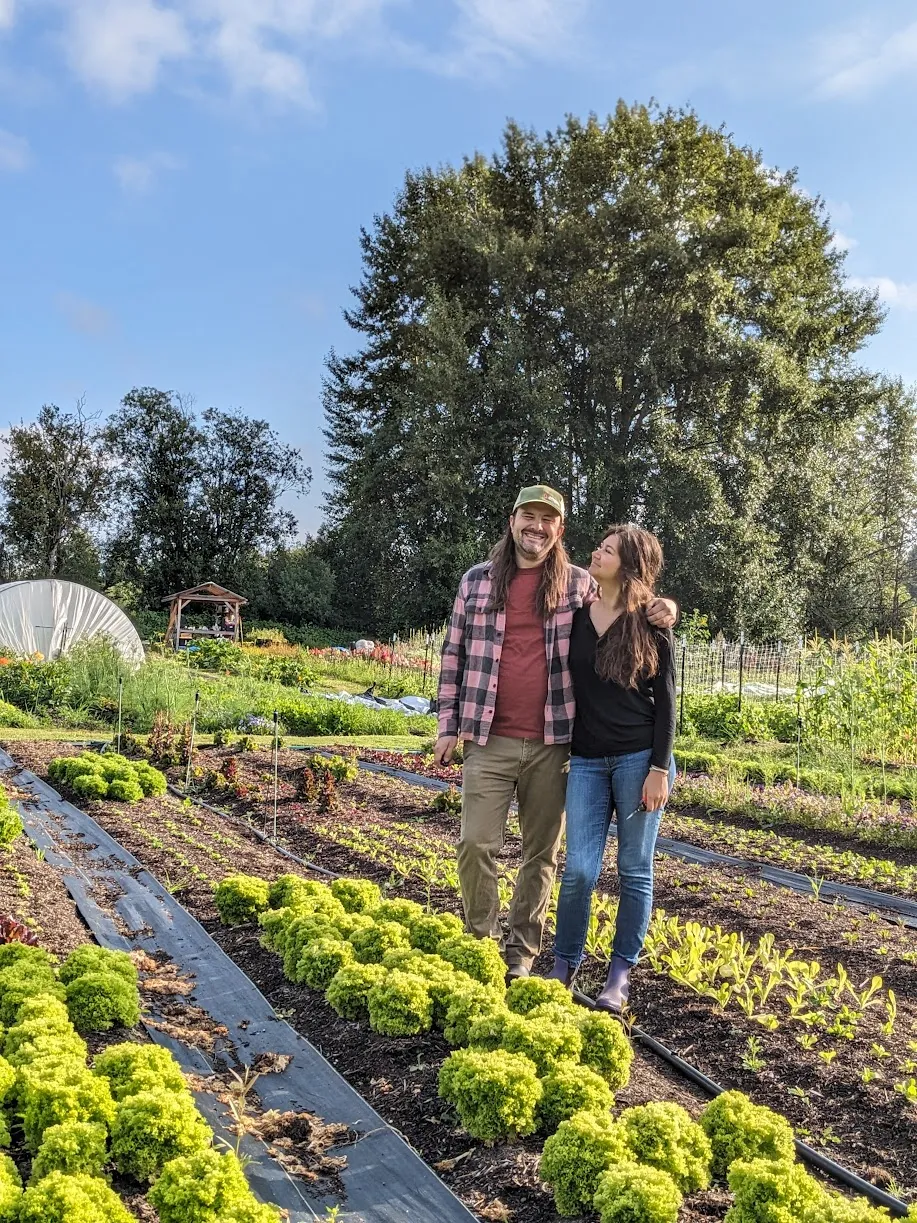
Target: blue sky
182, 182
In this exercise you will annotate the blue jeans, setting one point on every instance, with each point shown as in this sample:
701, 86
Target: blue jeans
595, 789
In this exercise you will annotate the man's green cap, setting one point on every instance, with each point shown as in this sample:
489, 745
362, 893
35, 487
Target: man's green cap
543, 495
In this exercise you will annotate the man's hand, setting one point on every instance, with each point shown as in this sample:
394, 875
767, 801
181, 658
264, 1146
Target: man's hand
662, 613
443, 749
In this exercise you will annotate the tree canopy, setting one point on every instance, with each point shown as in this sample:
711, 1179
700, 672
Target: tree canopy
638, 312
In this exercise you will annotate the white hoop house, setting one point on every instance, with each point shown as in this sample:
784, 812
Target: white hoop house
49, 617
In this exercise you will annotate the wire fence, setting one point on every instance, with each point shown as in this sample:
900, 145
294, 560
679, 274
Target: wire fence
762, 672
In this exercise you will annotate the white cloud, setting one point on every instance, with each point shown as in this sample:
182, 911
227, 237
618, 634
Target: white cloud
489, 34
892, 293
83, 315
7, 13
138, 175
860, 60
14, 152
120, 46
842, 242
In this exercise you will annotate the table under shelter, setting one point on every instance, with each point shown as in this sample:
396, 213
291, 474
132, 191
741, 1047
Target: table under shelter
227, 622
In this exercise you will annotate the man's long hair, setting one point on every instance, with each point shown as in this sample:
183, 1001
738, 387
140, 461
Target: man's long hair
628, 651
555, 576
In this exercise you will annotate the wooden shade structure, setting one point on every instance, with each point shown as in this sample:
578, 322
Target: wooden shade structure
226, 604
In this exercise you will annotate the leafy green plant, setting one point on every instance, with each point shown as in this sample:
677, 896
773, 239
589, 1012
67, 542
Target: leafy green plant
400, 1005
153, 1127
525, 993
207, 1187
495, 1094
606, 1048
449, 802
570, 1088
10, 822
59, 1198
98, 1001
10, 1190
357, 895
241, 898
741, 1130
663, 1135
576, 1155
59, 1090
772, 1189
467, 1003
72, 1147
372, 942
432, 929
632, 1193
341, 768
107, 775
320, 960
349, 988
23, 980
131, 1067
479, 958
92, 958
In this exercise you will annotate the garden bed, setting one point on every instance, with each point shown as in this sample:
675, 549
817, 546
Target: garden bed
867, 1126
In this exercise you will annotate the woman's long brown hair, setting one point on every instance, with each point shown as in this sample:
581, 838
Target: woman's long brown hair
628, 652
555, 576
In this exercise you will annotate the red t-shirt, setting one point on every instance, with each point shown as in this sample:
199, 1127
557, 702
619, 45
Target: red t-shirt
522, 682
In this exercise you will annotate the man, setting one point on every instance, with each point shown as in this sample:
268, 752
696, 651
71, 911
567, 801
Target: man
505, 690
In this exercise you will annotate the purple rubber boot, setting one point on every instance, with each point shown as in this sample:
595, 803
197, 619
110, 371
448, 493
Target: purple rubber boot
617, 986
562, 971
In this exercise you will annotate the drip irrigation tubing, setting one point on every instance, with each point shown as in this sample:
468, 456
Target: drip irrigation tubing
895, 909
807, 1154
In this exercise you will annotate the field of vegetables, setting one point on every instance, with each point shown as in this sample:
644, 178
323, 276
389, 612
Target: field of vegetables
781, 963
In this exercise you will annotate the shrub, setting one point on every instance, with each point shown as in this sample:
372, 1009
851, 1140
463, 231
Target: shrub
356, 895
569, 1089
739, 1129
769, 1191
372, 942
606, 1048
479, 958
152, 1127
92, 958
10, 1190
98, 1001
207, 1187
320, 960
494, 1094
576, 1155
240, 898
400, 1005
130, 1068
35, 684
17, 719
525, 993
73, 1147
349, 987
630, 1193
60, 1091
59, 1198
429, 931
469, 1001
663, 1135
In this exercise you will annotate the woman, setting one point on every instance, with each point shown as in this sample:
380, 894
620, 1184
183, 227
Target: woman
621, 755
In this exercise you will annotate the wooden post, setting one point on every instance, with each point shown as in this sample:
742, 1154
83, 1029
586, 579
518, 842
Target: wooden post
178, 607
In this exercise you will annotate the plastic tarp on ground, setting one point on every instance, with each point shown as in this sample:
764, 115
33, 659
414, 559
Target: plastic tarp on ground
49, 617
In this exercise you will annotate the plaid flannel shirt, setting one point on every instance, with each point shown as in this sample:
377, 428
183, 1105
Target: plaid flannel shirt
470, 666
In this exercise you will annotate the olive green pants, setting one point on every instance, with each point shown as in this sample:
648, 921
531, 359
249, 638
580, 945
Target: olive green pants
535, 773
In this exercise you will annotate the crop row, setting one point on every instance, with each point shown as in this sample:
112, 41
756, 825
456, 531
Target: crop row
770, 984
132, 1111
526, 1059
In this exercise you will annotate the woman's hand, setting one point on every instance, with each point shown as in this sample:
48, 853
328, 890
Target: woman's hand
655, 790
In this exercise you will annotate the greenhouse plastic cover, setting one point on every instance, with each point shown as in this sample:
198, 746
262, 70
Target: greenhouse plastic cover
49, 617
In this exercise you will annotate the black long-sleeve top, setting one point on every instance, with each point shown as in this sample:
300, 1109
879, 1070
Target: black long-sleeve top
612, 720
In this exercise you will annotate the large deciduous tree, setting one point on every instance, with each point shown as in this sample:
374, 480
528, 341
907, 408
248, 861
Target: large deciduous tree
55, 484
200, 496
638, 312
